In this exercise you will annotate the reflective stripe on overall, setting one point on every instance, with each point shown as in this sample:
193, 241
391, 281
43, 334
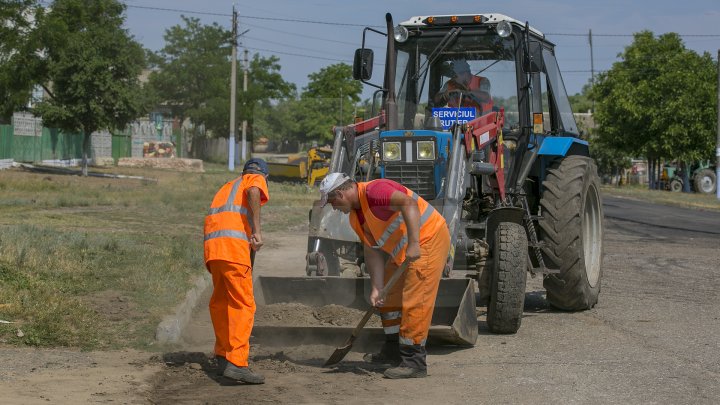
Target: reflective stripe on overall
228, 225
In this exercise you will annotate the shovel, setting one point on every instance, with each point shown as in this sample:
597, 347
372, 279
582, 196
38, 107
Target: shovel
341, 352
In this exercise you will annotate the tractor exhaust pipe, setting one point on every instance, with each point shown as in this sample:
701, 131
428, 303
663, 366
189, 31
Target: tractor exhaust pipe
390, 63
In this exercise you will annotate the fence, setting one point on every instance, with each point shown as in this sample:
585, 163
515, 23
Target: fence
26, 140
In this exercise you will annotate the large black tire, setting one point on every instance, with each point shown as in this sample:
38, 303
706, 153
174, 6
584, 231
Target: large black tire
676, 186
571, 229
705, 181
508, 278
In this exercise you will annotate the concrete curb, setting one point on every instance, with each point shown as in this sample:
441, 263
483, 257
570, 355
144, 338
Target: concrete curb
171, 326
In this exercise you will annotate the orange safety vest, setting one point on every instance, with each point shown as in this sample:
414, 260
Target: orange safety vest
390, 236
228, 225
482, 108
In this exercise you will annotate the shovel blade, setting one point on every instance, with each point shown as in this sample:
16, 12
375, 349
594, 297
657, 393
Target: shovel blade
338, 355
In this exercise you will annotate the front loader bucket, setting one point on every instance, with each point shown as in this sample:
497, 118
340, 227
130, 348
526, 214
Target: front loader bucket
454, 319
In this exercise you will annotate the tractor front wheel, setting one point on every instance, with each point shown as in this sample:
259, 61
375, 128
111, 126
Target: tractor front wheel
676, 186
571, 228
508, 278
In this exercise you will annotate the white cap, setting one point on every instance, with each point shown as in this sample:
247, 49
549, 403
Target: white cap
330, 183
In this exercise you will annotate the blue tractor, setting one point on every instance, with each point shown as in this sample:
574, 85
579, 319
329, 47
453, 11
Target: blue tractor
472, 115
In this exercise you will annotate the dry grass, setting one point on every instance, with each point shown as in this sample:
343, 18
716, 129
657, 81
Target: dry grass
688, 200
96, 263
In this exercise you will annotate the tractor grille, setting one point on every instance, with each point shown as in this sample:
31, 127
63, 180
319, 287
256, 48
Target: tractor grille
418, 178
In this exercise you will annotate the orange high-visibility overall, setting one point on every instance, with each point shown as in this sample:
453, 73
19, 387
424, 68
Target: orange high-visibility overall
227, 256
409, 304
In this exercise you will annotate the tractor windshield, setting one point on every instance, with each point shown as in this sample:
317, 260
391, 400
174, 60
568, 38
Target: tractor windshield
470, 75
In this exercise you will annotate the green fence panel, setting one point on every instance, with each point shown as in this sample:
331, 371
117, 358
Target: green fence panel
26, 148
61, 145
6, 138
121, 145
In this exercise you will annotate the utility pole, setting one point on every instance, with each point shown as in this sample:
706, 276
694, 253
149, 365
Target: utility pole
592, 66
717, 142
244, 123
233, 86
341, 107
592, 59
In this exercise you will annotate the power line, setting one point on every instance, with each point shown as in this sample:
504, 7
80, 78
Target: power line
627, 35
296, 20
298, 34
299, 55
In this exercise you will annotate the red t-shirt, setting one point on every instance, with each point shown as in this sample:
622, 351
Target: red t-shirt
378, 194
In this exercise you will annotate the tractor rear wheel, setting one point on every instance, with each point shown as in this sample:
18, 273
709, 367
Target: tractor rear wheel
571, 231
705, 181
508, 278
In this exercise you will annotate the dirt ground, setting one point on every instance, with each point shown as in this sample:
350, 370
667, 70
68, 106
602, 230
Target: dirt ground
652, 338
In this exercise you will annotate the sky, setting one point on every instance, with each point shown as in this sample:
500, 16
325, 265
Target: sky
307, 35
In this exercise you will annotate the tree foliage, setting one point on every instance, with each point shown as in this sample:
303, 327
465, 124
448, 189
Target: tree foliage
193, 77
193, 70
581, 102
659, 100
87, 62
19, 62
329, 99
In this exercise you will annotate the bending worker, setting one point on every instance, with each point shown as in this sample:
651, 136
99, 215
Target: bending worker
232, 235
475, 90
394, 225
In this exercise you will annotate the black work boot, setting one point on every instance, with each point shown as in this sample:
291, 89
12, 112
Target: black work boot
389, 354
243, 374
221, 363
413, 363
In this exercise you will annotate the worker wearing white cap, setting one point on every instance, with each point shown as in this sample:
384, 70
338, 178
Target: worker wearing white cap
395, 225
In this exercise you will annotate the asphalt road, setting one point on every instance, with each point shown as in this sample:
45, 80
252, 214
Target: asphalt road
652, 338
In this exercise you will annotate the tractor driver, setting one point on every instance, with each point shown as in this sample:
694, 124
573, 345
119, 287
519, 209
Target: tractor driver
475, 90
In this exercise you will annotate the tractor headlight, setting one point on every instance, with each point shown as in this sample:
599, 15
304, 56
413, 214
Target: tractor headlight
401, 33
504, 29
391, 151
426, 150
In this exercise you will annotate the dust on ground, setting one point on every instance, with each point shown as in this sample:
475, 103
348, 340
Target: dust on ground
294, 314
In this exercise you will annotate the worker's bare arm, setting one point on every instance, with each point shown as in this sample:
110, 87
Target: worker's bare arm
375, 265
253, 194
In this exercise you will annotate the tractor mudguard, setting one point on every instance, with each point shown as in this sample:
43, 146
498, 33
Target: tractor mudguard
563, 146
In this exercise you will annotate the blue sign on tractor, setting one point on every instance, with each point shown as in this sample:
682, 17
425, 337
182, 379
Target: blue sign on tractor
451, 115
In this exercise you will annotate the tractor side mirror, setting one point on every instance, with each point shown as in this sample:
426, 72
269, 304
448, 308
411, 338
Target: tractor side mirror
363, 64
534, 59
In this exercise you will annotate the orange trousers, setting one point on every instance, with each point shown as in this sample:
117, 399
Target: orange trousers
232, 310
409, 305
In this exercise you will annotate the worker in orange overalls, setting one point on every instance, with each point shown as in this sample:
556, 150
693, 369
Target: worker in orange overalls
232, 235
465, 90
394, 225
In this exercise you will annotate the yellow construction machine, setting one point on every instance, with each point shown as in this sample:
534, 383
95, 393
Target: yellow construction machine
310, 166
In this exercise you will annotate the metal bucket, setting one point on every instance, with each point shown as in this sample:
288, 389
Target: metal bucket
454, 320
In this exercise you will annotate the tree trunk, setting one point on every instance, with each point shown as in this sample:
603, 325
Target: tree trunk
86, 148
651, 173
685, 177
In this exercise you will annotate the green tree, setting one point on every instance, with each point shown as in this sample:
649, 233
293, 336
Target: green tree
659, 101
329, 99
19, 61
581, 102
87, 61
193, 77
266, 87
